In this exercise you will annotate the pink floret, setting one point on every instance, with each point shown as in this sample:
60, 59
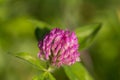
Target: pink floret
60, 47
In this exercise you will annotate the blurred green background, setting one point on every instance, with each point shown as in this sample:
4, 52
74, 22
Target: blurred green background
18, 22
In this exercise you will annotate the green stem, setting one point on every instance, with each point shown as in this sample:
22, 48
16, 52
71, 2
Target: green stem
50, 69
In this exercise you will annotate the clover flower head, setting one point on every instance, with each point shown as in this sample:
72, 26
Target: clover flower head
60, 47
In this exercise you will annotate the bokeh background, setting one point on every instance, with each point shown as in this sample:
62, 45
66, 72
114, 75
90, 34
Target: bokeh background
18, 22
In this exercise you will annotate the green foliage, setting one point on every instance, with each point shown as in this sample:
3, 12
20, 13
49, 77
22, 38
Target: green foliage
51, 76
34, 61
86, 35
77, 72
41, 29
40, 33
41, 76
44, 76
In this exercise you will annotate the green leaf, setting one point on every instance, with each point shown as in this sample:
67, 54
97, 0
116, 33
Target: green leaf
27, 57
51, 77
40, 33
86, 34
42, 28
41, 76
44, 76
77, 72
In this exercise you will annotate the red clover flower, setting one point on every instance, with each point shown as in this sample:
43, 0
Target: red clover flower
60, 47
